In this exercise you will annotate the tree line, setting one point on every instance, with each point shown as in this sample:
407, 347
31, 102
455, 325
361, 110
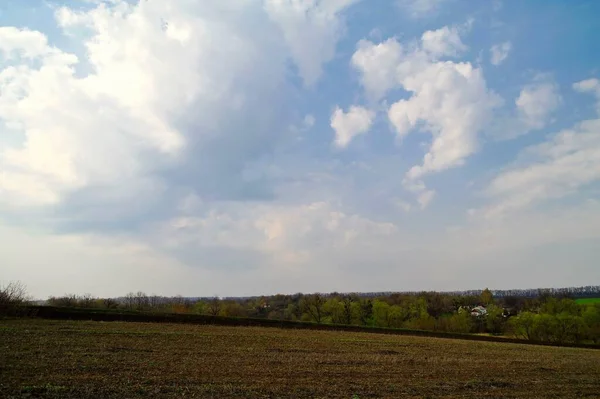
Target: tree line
552, 316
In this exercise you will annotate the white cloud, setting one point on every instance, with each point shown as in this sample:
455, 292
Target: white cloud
421, 8
383, 65
279, 229
71, 136
348, 125
23, 43
161, 81
377, 65
589, 86
289, 242
444, 42
453, 103
425, 198
568, 232
311, 28
405, 206
554, 169
536, 103
311, 247
535, 109
447, 99
138, 156
81, 264
499, 52
309, 121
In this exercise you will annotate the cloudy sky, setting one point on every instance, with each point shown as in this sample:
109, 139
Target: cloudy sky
240, 147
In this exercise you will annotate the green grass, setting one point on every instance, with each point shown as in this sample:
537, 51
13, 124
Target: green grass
86, 359
587, 301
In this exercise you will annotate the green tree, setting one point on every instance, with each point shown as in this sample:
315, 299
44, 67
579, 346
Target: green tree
591, 317
292, 312
545, 328
523, 325
460, 323
381, 312
486, 297
363, 309
569, 328
416, 308
312, 306
334, 309
556, 306
438, 304
494, 321
347, 302
233, 309
200, 307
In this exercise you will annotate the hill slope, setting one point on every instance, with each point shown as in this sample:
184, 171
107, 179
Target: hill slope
77, 359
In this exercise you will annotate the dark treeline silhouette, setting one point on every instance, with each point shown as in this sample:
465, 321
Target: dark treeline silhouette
545, 315
589, 291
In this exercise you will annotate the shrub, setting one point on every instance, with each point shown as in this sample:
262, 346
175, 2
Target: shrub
12, 297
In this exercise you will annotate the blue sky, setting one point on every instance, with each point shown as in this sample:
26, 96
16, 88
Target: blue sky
252, 147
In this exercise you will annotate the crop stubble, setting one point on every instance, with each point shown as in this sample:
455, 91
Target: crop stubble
64, 359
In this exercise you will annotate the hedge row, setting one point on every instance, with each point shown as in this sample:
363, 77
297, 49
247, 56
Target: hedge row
60, 313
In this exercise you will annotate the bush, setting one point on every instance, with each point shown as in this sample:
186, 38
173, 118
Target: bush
12, 297
560, 328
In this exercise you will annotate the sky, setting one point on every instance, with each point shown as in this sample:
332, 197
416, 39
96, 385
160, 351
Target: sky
247, 147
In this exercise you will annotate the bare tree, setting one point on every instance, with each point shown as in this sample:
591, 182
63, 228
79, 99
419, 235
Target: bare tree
130, 301
67, 301
141, 301
12, 295
110, 303
214, 306
87, 301
155, 302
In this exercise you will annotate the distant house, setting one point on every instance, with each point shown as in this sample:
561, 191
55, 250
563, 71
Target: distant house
479, 311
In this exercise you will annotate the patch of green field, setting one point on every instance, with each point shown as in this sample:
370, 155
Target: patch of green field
587, 301
84, 359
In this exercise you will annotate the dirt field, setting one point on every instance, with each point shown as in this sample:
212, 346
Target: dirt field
62, 359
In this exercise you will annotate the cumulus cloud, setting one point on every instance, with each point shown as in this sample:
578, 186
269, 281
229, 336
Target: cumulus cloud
73, 133
290, 242
499, 52
377, 65
348, 125
534, 108
443, 42
425, 197
311, 29
558, 167
537, 102
421, 8
589, 86
450, 100
175, 149
554, 169
152, 98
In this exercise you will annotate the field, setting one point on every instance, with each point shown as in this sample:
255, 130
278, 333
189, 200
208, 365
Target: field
587, 301
85, 359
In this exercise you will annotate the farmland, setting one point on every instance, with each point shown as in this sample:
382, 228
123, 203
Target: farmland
78, 359
587, 301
